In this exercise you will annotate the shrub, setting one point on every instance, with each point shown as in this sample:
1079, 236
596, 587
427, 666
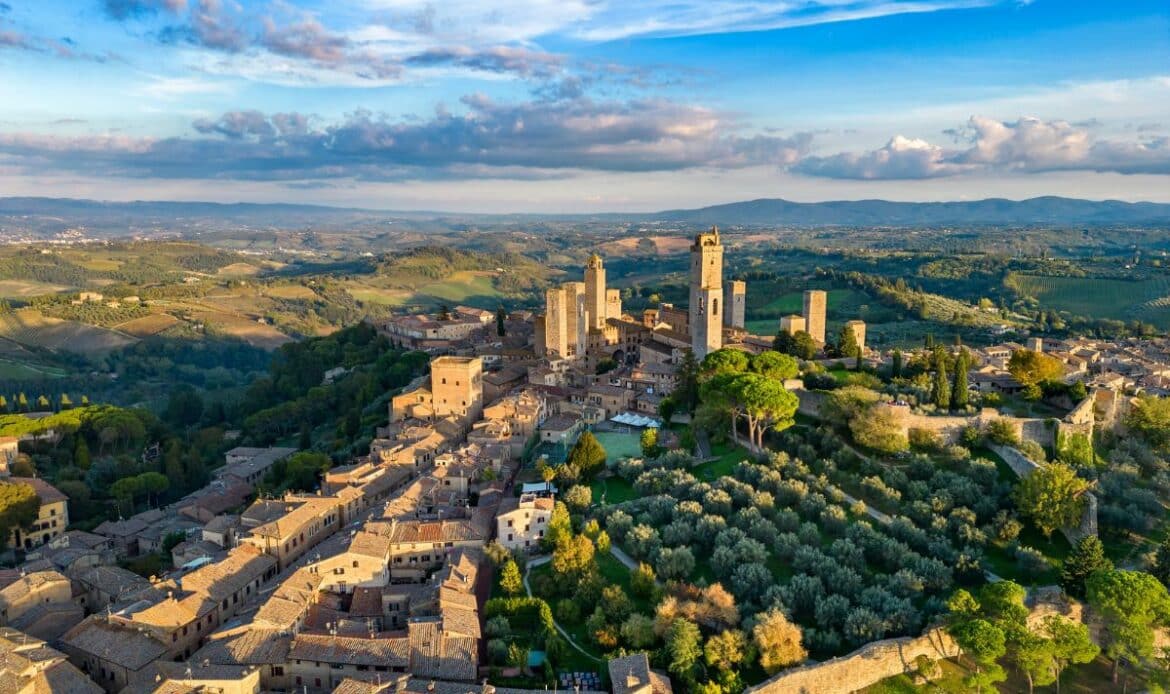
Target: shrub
925, 440
1002, 432
1030, 560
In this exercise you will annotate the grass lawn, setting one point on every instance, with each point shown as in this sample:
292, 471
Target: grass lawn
613, 490
727, 456
619, 445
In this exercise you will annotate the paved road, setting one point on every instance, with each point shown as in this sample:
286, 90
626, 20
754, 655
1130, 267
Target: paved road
539, 561
624, 558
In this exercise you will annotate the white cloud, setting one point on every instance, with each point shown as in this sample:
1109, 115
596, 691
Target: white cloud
1028, 144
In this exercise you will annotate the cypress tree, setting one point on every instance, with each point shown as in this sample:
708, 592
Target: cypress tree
942, 386
959, 391
896, 365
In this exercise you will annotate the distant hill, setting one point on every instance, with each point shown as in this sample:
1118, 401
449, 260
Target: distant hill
46, 216
997, 211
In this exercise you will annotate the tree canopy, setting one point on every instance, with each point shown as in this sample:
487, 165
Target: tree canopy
19, 507
1053, 497
1132, 604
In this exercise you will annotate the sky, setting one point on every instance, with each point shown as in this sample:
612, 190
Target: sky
583, 106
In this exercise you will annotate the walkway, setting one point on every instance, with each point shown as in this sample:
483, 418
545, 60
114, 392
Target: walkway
539, 561
626, 560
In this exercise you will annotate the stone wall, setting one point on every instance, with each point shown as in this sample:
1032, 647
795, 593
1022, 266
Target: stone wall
1023, 466
881, 659
869, 664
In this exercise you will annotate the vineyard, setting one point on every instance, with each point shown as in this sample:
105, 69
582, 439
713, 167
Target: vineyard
146, 326
1147, 300
34, 329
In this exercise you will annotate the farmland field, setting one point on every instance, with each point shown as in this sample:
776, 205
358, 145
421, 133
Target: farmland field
21, 370
23, 288
291, 291
148, 325
460, 287
1147, 300
35, 329
839, 299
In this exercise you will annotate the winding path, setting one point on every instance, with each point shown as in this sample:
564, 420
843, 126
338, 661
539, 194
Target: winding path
539, 561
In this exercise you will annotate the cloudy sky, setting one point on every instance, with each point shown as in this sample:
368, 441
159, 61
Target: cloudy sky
583, 105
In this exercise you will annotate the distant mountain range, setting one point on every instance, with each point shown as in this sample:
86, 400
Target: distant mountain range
52, 215
997, 211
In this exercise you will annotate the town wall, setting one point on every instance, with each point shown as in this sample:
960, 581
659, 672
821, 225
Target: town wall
881, 659
869, 664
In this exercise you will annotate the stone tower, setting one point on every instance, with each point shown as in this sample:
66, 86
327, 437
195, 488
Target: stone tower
457, 388
734, 298
595, 299
706, 321
556, 324
815, 303
578, 327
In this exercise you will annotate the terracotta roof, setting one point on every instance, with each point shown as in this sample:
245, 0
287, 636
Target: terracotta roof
47, 493
111, 580
223, 579
245, 645
349, 650
122, 645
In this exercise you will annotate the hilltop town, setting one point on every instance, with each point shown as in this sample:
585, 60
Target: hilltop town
570, 497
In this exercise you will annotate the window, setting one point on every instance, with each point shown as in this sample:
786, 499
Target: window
355, 564
278, 671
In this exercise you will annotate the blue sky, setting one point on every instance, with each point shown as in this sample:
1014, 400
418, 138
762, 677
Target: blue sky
583, 105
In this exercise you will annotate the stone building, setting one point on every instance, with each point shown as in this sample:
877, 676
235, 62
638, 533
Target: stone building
858, 329
706, 280
520, 523
734, 303
457, 388
815, 305
793, 324
52, 518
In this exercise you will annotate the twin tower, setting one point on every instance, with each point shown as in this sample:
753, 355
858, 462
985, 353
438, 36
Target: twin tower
707, 317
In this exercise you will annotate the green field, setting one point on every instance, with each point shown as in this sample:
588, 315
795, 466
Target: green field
23, 288
619, 445
460, 287
23, 371
839, 300
1147, 300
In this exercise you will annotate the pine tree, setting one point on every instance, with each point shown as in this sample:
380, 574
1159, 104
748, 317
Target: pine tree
941, 393
960, 391
1086, 558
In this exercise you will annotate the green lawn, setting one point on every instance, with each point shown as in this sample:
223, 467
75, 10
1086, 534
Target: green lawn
619, 445
614, 572
727, 456
613, 490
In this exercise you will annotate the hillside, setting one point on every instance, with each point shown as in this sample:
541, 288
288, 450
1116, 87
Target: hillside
50, 216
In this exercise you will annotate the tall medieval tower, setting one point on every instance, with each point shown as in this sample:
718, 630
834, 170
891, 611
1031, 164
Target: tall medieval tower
595, 300
706, 321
